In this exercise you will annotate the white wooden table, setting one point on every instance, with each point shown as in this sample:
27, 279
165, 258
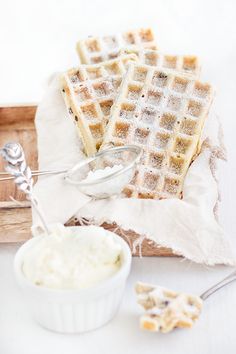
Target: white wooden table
38, 38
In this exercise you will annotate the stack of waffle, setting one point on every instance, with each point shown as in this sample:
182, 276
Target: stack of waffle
125, 91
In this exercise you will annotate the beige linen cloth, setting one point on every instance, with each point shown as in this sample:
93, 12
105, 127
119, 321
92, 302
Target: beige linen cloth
188, 226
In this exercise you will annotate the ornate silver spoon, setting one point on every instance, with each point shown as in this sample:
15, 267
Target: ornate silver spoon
16, 166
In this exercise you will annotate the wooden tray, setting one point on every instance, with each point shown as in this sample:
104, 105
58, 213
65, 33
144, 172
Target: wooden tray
17, 124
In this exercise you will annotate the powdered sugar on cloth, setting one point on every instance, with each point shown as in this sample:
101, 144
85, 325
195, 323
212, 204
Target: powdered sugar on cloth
188, 226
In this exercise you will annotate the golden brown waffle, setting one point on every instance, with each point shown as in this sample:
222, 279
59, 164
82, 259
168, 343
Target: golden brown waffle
166, 309
89, 92
97, 49
164, 114
185, 64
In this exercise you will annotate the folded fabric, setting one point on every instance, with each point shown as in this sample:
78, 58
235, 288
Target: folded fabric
188, 226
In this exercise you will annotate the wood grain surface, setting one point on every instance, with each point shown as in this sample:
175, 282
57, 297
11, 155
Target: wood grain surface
17, 124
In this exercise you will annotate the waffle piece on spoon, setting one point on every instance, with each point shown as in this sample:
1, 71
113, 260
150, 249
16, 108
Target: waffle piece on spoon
163, 113
97, 49
89, 92
166, 309
185, 64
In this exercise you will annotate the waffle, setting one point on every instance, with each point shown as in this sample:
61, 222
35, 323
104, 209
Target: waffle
185, 64
89, 92
97, 49
164, 114
166, 309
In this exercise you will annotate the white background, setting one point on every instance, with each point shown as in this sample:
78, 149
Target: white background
38, 38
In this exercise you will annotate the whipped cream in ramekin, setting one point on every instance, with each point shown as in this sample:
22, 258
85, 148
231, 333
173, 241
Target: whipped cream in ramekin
72, 260
66, 265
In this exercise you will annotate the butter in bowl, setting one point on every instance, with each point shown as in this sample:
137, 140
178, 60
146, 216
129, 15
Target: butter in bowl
73, 280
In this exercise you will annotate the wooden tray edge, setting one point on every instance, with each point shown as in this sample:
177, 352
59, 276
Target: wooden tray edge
16, 223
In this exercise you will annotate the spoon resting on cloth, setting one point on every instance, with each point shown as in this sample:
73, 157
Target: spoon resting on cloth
166, 310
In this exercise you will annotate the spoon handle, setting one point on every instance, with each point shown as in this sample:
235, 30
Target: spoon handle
34, 174
230, 278
37, 208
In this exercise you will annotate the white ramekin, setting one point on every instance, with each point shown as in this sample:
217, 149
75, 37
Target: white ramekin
74, 311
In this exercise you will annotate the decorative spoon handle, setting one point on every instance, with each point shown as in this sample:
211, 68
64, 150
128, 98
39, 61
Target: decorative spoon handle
16, 166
